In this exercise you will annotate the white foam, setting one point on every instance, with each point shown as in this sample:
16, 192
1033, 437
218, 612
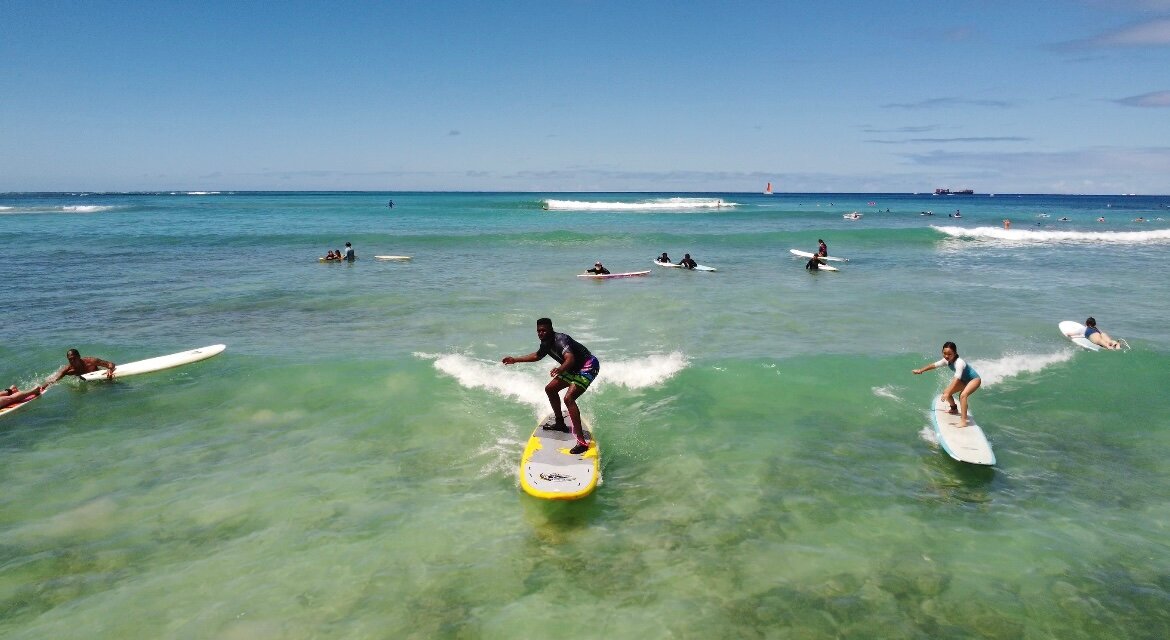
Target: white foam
640, 373
656, 204
1010, 365
525, 382
85, 208
5, 208
1032, 236
202, 193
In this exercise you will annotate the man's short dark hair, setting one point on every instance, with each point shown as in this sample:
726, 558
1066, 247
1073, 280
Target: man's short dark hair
72, 353
544, 322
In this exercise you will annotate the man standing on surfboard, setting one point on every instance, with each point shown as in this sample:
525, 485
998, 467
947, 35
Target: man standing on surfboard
79, 366
577, 370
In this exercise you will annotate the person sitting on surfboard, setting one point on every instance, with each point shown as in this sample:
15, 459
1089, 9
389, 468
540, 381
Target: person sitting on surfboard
577, 369
598, 269
12, 395
664, 258
79, 366
1096, 336
965, 382
822, 248
687, 262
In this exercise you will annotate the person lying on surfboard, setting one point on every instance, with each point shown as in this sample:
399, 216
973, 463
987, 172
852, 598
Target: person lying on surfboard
12, 395
687, 262
79, 366
577, 369
965, 382
664, 258
1095, 335
598, 269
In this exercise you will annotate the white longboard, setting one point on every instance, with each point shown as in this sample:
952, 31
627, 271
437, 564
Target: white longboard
609, 276
679, 266
159, 363
827, 267
1068, 326
549, 471
806, 254
400, 258
965, 444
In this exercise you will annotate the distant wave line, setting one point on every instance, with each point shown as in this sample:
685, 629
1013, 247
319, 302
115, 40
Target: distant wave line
1034, 236
657, 204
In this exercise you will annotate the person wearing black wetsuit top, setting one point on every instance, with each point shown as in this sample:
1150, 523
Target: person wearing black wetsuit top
577, 368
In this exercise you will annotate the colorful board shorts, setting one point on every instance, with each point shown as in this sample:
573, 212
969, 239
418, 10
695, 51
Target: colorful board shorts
585, 376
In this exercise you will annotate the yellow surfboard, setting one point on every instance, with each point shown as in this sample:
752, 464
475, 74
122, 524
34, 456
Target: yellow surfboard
549, 471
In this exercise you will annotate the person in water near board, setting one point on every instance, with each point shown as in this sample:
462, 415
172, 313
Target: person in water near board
687, 262
1095, 335
598, 269
349, 254
12, 395
79, 366
822, 248
965, 382
664, 258
814, 263
577, 368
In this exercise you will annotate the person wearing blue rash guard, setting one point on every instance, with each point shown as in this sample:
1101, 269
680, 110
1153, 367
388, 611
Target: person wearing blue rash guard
577, 370
965, 382
1096, 336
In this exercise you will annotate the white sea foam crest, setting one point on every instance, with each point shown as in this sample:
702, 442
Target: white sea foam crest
995, 371
655, 204
525, 382
1029, 236
85, 208
202, 193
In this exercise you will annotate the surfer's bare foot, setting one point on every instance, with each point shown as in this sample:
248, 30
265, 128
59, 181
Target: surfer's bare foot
579, 449
962, 423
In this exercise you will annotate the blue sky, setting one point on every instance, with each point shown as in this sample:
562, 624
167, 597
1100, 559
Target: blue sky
578, 95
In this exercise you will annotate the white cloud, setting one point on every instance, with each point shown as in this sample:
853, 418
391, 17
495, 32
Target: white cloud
1156, 99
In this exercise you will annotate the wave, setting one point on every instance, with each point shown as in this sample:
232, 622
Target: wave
655, 204
527, 385
1012, 364
1029, 236
86, 208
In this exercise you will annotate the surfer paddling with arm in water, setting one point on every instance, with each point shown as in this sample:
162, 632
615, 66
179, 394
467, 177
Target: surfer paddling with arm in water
79, 366
965, 382
598, 269
577, 370
1095, 335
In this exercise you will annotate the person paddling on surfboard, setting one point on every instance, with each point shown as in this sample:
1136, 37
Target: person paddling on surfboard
598, 269
12, 395
664, 258
79, 366
577, 370
1096, 336
965, 382
687, 262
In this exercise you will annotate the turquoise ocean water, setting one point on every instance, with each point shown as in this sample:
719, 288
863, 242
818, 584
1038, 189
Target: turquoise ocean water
347, 468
